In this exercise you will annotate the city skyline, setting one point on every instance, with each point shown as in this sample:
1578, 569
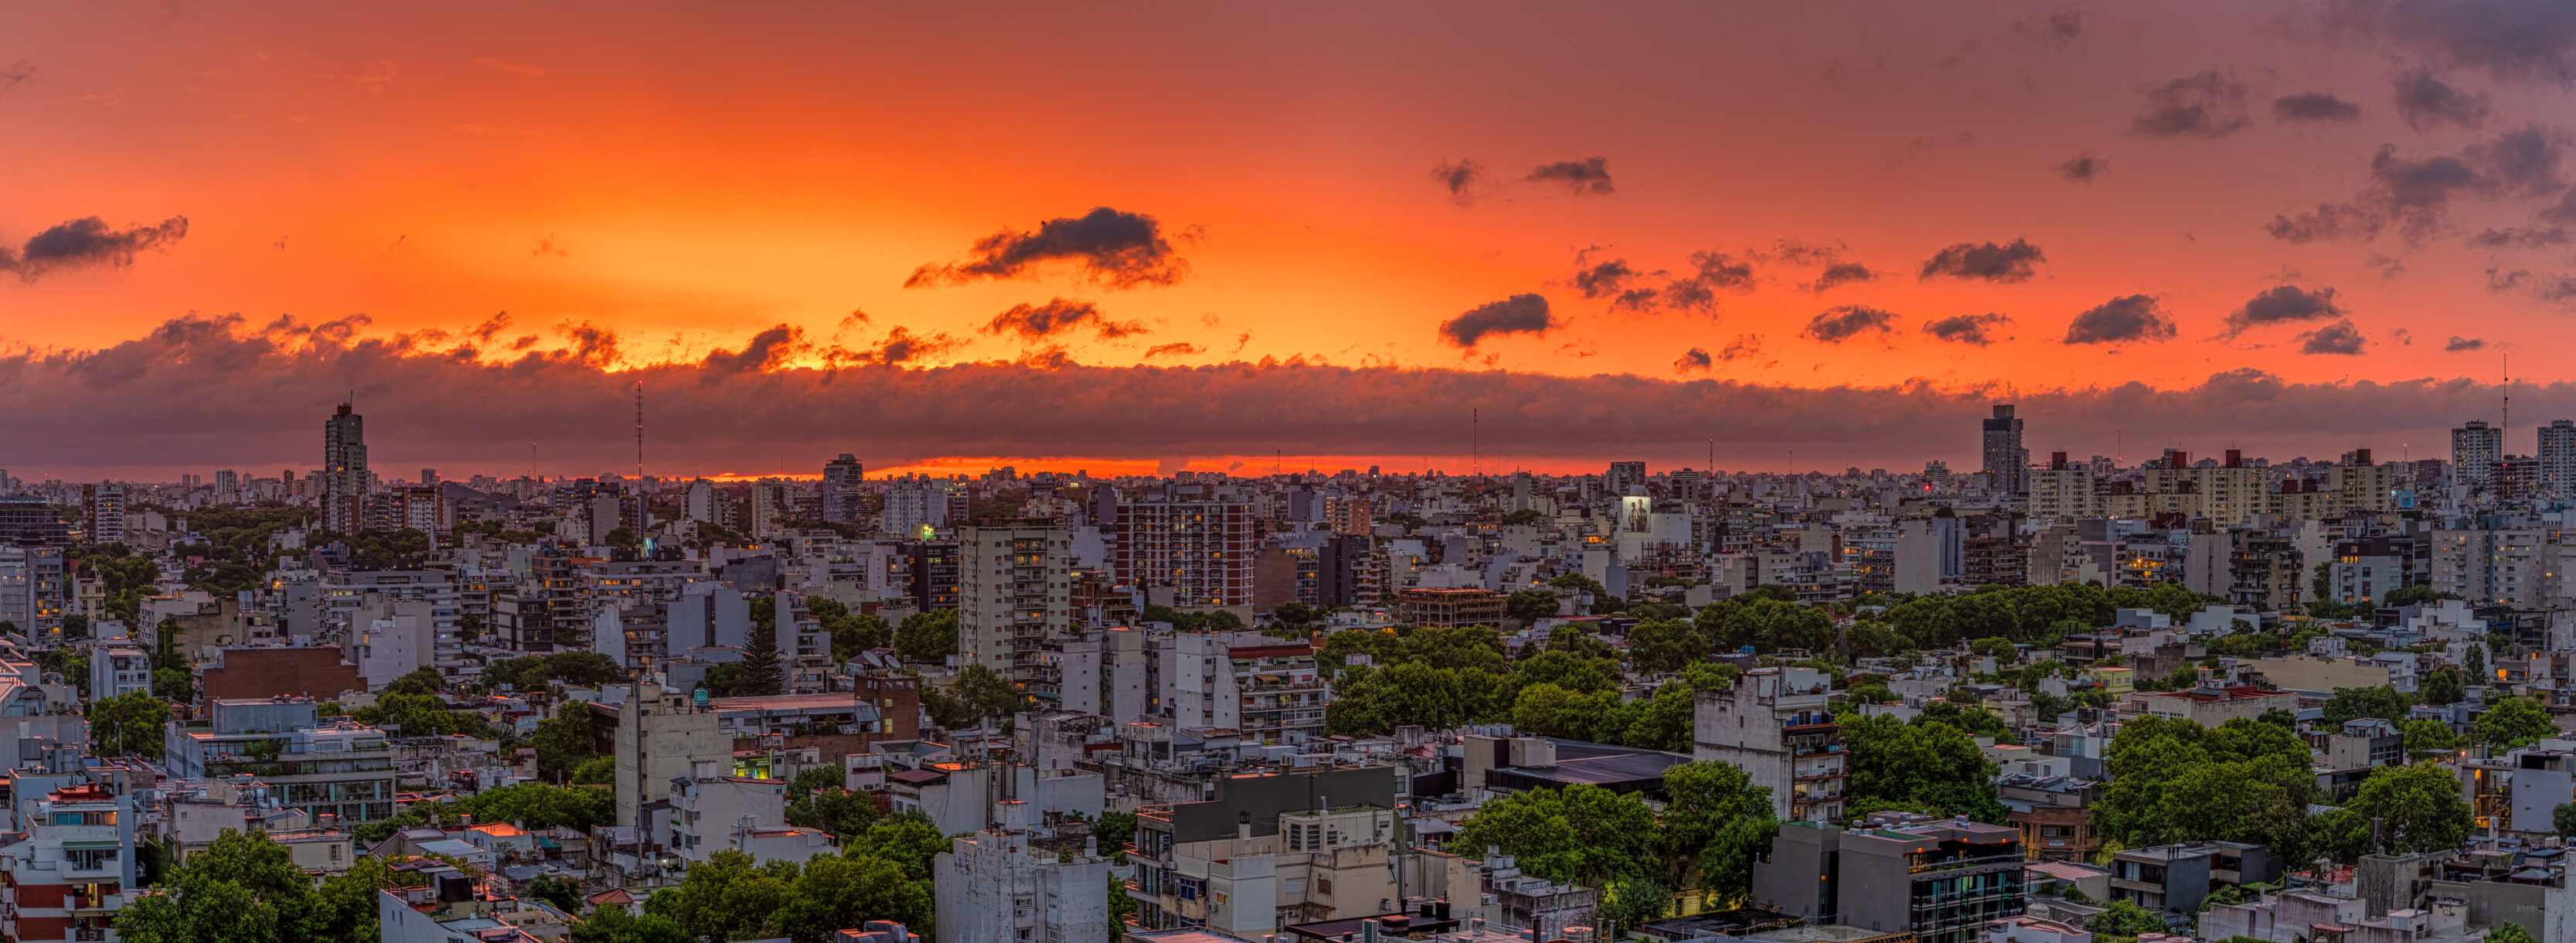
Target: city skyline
2021, 201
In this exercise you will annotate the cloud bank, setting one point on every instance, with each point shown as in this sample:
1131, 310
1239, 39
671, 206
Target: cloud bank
221, 392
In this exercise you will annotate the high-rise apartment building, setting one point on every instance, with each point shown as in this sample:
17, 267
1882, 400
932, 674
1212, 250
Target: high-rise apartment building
2558, 457
2007, 463
343, 490
841, 497
103, 513
1014, 592
2063, 492
2475, 450
1777, 725
1194, 540
1625, 478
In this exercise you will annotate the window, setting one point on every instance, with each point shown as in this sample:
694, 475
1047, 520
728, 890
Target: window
89, 859
1324, 886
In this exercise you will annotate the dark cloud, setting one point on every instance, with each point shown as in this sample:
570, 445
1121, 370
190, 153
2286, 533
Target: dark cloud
2121, 320
2082, 168
2555, 288
1743, 346
87, 243
490, 328
2458, 344
900, 346
1967, 328
1693, 359
2531, 40
1802, 252
2329, 222
1518, 314
768, 350
16, 74
2427, 103
1839, 274
2055, 29
1056, 317
1115, 249
1985, 261
1694, 291
2415, 195
1844, 322
2522, 161
2314, 106
2340, 337
2517, 237
592, 345
1464, 179
1587, 177
1178, 349
2208, 105
1602, 280
2283, 304
218, 392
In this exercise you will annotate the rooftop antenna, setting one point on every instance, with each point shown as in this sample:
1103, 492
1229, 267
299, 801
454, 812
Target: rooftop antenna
1476, 442
2507, 421
639, 434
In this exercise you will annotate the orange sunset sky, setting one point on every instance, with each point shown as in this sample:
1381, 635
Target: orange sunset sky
1319, 230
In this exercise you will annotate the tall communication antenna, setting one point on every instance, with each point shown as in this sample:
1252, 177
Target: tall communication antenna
2507, 421
1476, 441
639, 433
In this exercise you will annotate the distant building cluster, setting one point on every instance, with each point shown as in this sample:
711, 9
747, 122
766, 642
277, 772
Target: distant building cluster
1017, 660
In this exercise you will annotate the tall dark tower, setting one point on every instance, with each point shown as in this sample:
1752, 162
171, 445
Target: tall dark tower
2007, 462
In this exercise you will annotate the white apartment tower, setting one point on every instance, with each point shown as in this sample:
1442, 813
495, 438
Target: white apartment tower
1014, 593
2558, 457
2475, 450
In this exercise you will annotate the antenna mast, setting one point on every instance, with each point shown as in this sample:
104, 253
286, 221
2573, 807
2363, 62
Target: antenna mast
639, 434
2507, 421
1476, 442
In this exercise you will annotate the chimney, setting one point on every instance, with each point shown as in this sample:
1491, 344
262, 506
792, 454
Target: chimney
1243, 825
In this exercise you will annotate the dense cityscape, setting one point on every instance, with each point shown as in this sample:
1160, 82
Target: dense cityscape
1450, 471
2053, 700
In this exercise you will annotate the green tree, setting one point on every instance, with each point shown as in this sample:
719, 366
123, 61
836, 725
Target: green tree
563, 742
612, 924
1931, 763
420, 715
1659, 645
2418, 805
1708, 799
419, 681
1530, 605
985, 694
2563, 818
2122, 918
2514, 722
763, 674
2382, 702
2443, 686
623, 536
910, 840
128, 724
1583, 833
244, 888
2510, 933
596, 771
2428, 738
925, 636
